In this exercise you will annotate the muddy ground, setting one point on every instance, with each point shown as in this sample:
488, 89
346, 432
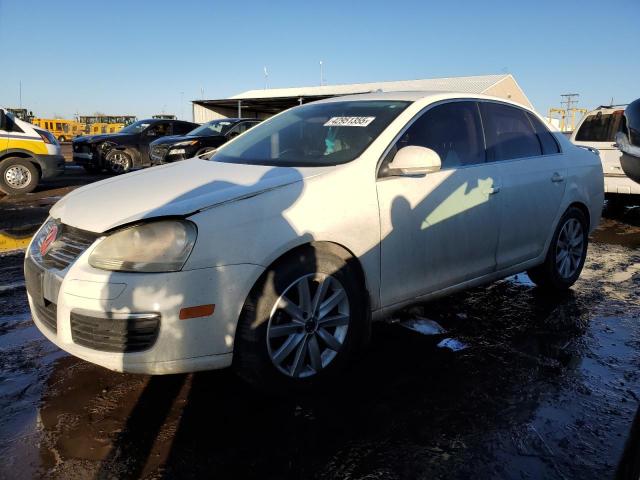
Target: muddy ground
547, 387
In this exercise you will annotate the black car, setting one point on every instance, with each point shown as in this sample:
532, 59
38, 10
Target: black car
203, 139
127, 149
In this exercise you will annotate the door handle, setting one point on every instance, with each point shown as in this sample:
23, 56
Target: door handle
557, 178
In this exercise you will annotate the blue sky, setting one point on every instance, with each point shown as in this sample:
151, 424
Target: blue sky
142, 57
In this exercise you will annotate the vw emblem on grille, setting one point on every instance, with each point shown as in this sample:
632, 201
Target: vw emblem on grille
48, 240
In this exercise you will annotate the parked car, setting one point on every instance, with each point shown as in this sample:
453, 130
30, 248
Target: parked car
27, 155
628, 141
276, 255
127, 149
598, 130
200, 141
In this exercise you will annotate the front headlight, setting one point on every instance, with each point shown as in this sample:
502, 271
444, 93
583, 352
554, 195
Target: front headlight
160, 246
185, 143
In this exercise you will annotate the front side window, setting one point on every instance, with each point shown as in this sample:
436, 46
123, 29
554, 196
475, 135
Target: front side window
508, 132
316, 134
600, 127
159, 130
453, 130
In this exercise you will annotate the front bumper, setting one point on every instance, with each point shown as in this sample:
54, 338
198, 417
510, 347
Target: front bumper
180, 345
50, 165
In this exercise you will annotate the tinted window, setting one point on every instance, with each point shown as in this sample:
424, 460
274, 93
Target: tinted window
160, 129
508, 132
546, 138
601, 127
182, 128
452, 130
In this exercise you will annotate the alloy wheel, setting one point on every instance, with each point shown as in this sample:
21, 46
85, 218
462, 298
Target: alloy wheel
569, 248
308, 325
118, 162
17, 176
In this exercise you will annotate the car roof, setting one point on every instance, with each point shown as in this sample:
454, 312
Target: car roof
415, 96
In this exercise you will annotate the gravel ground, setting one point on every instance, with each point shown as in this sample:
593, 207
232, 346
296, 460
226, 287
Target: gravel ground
547, 387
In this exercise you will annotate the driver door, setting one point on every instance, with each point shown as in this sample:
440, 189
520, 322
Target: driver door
155, 131
439, 229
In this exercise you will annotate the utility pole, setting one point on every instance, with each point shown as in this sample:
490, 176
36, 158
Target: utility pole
266, 77
321, 74
569, 100
181, 105
20, 94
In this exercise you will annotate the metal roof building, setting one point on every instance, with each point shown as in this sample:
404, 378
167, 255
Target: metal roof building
267, 102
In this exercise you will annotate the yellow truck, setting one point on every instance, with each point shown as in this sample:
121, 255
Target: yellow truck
27, 155
62, 129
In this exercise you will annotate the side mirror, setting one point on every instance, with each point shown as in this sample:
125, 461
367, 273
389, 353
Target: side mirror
152, 133
414, 161
233, 134
3, 120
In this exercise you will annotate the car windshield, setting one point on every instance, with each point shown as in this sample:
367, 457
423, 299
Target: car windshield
136, 127
317, 134
211, 129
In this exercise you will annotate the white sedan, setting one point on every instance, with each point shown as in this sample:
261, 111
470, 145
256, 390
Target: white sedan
275, 255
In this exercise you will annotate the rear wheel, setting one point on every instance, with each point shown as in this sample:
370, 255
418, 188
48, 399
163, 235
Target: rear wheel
566, 255
118, 161
301, 322
18, 175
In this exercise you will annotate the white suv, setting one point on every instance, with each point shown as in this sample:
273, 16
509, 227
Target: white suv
598, 130
276, 254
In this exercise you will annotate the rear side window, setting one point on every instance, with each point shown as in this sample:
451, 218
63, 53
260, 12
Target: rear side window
508, 132
452, 130
547, 141
600, 127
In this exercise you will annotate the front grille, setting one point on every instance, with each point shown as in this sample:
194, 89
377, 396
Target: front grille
66, 249
121, 335
48, 314
158, 152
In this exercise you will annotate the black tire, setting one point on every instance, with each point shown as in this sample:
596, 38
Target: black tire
204, 150
252, 360
118, 161
93, 169
62, 139
548, 275
18, 175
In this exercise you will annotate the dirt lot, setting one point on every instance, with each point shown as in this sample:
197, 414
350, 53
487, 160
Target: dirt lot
547, 387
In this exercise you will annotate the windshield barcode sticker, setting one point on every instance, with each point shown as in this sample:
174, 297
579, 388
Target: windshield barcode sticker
349, 121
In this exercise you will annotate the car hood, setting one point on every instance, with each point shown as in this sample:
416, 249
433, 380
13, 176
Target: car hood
177, 189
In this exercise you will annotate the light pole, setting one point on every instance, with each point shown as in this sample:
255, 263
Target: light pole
321, 75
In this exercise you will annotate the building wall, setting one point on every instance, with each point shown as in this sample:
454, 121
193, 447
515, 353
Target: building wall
202, 114
508, 89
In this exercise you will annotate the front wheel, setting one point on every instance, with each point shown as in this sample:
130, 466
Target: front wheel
301, 322
566, 255
18, 175
118, 162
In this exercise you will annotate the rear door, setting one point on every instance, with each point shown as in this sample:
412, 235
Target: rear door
533, 173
